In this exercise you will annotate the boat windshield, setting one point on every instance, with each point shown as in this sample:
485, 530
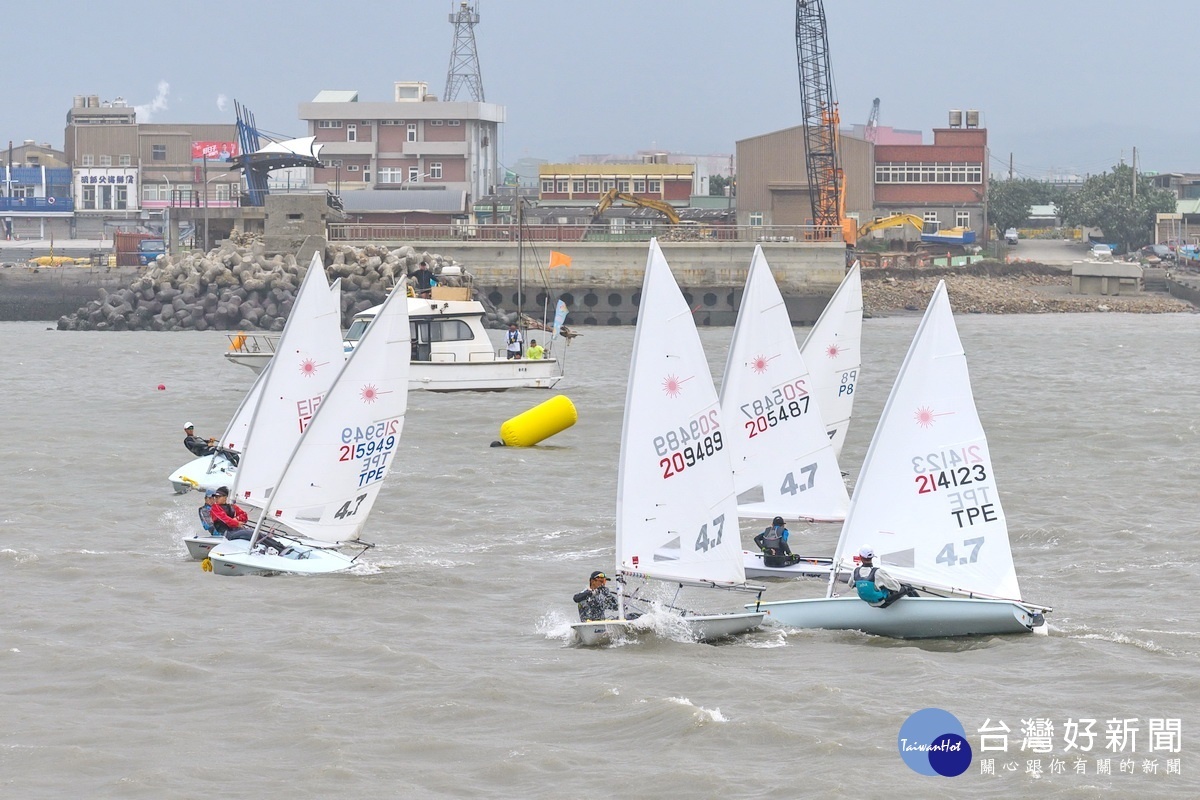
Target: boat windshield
357, 327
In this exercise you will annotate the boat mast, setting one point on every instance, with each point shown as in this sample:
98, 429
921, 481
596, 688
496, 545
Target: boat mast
520, 256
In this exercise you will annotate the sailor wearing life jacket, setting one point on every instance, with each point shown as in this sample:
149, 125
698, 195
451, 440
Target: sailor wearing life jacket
873, 584
773, 541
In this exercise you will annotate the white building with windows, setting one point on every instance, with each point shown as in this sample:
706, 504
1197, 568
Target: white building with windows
413, 142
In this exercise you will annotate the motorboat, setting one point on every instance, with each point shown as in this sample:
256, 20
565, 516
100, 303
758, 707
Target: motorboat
451, 350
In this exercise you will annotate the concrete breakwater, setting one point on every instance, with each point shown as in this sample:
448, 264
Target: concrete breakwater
241, 288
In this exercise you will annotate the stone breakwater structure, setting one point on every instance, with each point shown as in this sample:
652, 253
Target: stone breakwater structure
238, 287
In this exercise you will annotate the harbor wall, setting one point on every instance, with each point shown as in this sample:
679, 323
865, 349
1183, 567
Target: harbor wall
602, 286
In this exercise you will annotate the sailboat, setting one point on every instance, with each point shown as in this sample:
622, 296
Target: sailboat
330, 482
833, 351
277, 408
777, 438
927, 502
676, 518
218, 469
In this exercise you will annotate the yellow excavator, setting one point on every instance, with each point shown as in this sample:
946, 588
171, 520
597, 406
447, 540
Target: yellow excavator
894, 221
612, 195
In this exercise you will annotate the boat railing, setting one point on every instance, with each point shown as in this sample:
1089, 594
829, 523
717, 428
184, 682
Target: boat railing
241, 342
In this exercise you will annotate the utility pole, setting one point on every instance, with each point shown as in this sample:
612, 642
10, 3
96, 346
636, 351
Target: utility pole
1135, 173
205, 175
1010, 166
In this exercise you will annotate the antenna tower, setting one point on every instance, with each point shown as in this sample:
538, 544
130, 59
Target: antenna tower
464, 61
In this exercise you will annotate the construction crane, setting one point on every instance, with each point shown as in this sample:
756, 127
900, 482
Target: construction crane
873, 122
612, 195
820, 115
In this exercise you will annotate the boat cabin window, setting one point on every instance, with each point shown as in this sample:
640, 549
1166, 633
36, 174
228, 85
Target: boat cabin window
450, 330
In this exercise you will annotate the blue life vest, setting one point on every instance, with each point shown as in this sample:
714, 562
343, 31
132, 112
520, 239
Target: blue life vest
206, 520
865, 585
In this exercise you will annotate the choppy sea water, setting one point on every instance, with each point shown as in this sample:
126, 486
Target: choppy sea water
441, 667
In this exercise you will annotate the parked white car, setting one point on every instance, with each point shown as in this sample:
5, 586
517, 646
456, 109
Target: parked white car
1102, 252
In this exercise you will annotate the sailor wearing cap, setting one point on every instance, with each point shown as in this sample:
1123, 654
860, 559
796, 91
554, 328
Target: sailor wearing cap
205, 512
197, 444
873, 584
596, 601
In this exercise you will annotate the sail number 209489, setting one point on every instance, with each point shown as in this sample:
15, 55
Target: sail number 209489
690, 455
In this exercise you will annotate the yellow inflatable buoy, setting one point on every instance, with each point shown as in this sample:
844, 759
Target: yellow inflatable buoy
540, 422
206, 565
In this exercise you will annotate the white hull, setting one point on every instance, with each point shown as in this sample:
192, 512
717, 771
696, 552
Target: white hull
205, 472
451, 376
806, 567
909, 617
232, 557
703, 628
199, 546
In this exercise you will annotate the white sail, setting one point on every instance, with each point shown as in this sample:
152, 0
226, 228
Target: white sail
337, 469
926, 498
234, 437
676, 506
306, 361
776, 437
833, 351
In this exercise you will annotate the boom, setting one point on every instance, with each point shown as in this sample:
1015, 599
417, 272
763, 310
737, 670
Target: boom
612, 195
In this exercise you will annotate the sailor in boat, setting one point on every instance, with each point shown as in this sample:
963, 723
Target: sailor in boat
773, 542
596, 602
205, 511
874, 585
197, 444
535, 351
229, 520
200, 446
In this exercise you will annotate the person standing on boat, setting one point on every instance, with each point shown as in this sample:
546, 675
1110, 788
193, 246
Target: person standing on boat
424, 278
229, 520
873, 584
773, 541
596, 601
513, 340
198, 445
535, 350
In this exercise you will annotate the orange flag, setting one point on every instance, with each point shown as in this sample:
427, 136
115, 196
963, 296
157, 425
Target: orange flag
558, 259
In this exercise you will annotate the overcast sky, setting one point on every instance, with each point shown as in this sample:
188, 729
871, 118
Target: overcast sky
1068, 86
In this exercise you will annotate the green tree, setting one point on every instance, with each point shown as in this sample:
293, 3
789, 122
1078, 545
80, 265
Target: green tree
1107, 201
1009, 201
717, 184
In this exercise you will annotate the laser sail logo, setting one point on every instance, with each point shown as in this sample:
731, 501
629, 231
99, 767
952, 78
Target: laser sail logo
934, 742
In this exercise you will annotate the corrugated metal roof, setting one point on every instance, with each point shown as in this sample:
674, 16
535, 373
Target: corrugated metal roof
368, 200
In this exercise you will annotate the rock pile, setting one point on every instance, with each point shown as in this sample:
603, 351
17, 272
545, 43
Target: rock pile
1000, 289
238, 287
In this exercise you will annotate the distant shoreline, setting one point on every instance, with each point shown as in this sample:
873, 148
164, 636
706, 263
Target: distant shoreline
995, 288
